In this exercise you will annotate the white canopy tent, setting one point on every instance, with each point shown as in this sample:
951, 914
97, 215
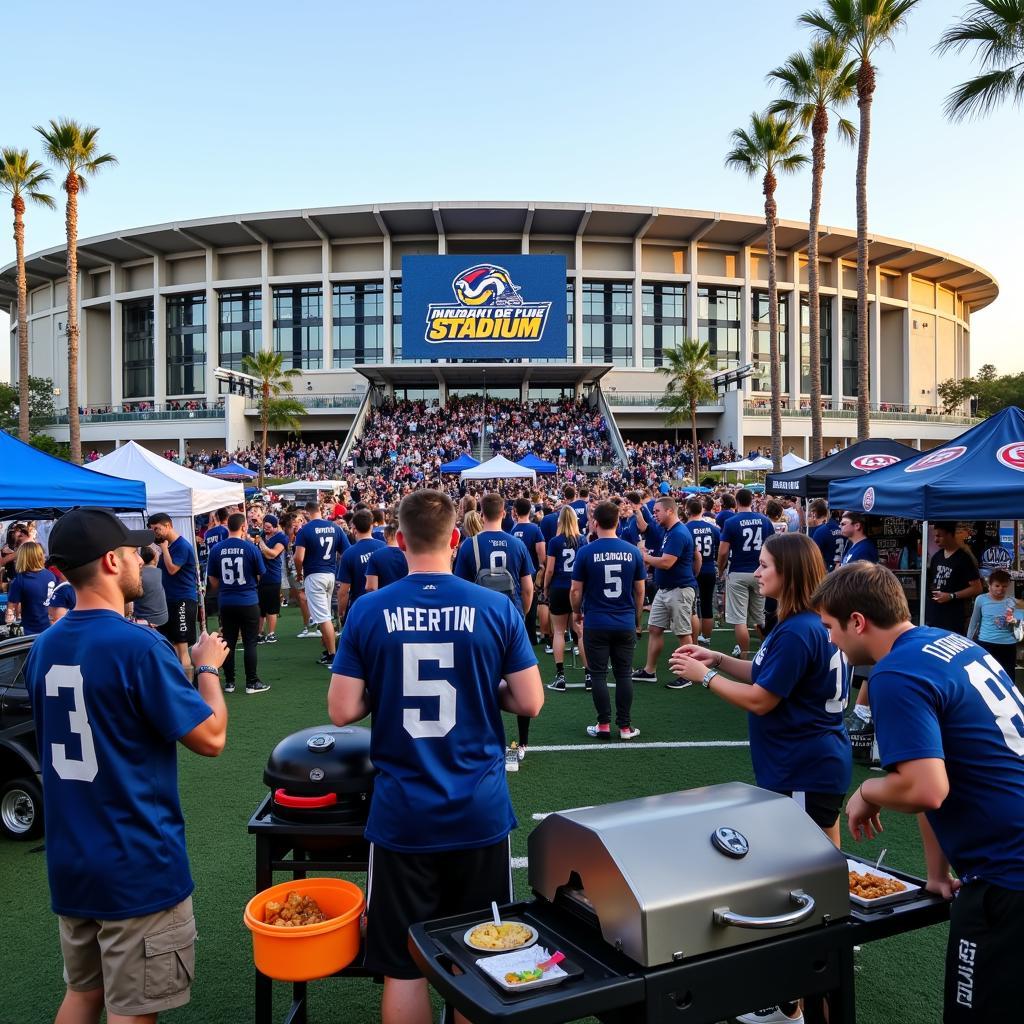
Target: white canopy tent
792, 461
498, 468
757, 465
300, 486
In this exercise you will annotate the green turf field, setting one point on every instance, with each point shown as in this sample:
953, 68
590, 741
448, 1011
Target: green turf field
898, 981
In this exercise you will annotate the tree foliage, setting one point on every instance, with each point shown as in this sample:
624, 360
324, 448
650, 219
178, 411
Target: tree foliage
990, 391
276, 408
688, 367
40, 404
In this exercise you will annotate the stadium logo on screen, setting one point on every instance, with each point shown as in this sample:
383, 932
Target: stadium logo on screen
867, 463
489, 306
868, 500
935, 459
1012, 456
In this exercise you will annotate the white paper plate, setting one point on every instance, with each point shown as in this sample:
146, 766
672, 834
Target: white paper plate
862, 869
495, 967
505, 949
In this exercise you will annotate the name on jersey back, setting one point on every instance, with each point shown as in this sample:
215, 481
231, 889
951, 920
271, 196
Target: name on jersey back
612, 556
459, 618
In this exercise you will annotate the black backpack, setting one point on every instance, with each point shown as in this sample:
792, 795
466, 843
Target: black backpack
499, 580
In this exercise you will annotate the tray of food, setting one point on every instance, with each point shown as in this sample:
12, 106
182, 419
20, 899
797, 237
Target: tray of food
488, 937
525, 969
874, 887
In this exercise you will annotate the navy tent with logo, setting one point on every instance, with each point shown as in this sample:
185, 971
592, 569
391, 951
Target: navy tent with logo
812, 480
461, 464
538, 465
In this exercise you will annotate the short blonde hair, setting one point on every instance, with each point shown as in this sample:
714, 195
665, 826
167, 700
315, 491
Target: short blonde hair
30, 557
472, 524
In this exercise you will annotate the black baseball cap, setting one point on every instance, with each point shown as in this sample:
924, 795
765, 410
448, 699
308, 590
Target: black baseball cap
85, 534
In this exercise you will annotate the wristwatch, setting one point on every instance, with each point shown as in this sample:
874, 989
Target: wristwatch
207, 668
708, 676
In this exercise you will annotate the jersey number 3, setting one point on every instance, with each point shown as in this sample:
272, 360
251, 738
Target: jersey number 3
413, 685
84, 769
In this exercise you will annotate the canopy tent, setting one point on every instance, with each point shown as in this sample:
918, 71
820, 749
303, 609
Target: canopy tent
233, 471
531, 461
34, 484
498, 468
696, 490
812, 479
463, 462
299, 486
792, 461
755, 465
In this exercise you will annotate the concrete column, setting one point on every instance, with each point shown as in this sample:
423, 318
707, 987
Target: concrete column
83, 344
328, 304
212, 328
116, 348
638, 306
159, 332
905, 396
746, 317
837, 348
267, 324
875, 337
794, 335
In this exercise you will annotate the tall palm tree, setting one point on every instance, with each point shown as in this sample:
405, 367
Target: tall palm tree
73, 148
863, 26
23, 178
821, 81
688, 368
995, 29
771, 145
275, 409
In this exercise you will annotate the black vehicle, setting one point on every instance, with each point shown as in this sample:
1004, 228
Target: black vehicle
21, 792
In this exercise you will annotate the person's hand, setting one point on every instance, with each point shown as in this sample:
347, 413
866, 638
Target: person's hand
698, 653
947, 886
862, 817
210, 649
689, 668
938, 595
577, 618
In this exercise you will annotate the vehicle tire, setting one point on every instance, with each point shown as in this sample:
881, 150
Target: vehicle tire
21, 809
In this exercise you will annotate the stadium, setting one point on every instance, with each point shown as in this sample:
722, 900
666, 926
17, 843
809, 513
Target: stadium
165, 307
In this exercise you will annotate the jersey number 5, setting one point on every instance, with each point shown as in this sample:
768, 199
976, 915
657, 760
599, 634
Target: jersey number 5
415, 724
84, 769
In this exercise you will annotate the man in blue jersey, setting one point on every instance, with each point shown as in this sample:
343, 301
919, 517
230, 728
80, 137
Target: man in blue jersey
549, 524
234, 573
739, 555
386, 564
218, 530
581, 506
950, 731
675, 576
352, 567
608, 580
859, 546
181, 586
706, 538
435, 660
826, 532
379, 522
110, 706
728, 510
273, 545
529, 533
317, 546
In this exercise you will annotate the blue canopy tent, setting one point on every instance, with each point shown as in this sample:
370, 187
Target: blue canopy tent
979, 473
34, 484
461, 464
233, 471
538, 465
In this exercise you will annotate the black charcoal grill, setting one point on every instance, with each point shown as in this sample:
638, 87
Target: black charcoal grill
689, 907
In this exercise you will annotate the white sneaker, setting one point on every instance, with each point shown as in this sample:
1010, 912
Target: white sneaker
521, 752
306, 633
737, 653
705, 640
770, 1015
512, 758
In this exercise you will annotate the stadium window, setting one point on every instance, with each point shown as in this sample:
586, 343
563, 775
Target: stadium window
850, 348
664, 326
358, 323
241, 325
137, 349
299, 326
825, 334
396, 320
186, 344
608, 322
760, 343
718, 324
570, 317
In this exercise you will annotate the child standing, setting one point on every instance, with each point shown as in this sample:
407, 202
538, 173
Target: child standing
993, 619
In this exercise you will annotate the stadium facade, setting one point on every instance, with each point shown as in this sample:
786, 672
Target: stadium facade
163, 308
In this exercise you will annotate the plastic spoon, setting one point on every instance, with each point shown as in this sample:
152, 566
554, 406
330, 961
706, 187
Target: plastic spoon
494, 912
878, 863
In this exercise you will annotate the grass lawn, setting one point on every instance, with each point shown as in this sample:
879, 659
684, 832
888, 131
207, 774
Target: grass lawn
898, 981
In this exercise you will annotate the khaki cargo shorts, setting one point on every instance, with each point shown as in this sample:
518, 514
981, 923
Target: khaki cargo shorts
672, 610
143, 964
744, 604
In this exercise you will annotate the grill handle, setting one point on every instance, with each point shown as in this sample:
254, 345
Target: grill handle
804, 904
286, 799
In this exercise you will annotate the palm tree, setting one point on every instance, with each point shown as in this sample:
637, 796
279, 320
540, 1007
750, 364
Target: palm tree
813, 84
770, 145
862, 26
72, 147
688, 368
995, 28
23, 178
275, 410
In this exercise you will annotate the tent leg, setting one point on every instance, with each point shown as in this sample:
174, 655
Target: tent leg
924, 571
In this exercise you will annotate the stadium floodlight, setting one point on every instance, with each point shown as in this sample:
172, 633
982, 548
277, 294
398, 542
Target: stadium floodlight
734, 377
238, 383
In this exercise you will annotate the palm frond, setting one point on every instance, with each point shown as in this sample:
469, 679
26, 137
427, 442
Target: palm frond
979, 96
847, 130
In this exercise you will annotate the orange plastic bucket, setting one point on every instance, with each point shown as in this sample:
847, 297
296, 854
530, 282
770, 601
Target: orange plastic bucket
312, 950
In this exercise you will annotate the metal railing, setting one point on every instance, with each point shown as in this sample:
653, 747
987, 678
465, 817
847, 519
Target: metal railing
848, 410
646, 399
347, 400
135, 411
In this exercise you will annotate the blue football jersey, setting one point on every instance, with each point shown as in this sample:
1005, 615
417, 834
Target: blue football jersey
863, 551
608, 569
564, 555
802, 745
723, 517
387, 564
238, 565
63, 596
530, 535
352, 567
432, 650
706, 538
549, 525
746, 533
275, 566
214, 535
937, 694
182, 585
322, 542
579, 506
677, 541
32, 590
497, 550
110, 701
831, 542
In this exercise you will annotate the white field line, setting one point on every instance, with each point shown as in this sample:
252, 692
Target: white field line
632, 745
520, 862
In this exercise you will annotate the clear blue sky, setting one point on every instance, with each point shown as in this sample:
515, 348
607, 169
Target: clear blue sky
218, 108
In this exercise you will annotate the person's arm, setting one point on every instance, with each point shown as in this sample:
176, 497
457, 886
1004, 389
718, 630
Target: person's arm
298, 557
911, 787
738, 668
371, 582
270, 552
723, 557
940, 876
549, 571
344, 589
526, 588
540, 549
521, 693
974, 625
347, 700
210, 735
170, 565
659, 561
576, 600
698, 561
56, 613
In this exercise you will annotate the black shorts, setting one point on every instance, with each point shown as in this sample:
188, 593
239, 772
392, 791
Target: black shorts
269, 595
706, 595
986, 934
180, 627
406, 888
822, 808
558, 602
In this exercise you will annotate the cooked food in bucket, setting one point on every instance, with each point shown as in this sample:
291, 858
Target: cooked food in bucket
506, 935
873, 887
296, 911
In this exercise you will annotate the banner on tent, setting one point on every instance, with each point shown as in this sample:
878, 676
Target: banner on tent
483, 307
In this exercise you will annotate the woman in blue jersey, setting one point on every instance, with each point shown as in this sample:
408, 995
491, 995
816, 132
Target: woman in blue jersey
562, 550
31, 589
795, 689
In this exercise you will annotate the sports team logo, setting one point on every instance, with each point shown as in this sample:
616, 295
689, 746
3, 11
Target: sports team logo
868, 501
490, 307
867, 463
940, 458
1012, 456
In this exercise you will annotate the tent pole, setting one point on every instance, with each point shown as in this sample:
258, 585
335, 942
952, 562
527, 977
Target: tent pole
924, 570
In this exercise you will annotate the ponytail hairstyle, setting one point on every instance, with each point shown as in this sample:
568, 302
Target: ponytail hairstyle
569, 526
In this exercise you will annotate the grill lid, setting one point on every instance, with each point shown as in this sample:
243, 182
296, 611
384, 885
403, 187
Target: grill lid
322, 760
